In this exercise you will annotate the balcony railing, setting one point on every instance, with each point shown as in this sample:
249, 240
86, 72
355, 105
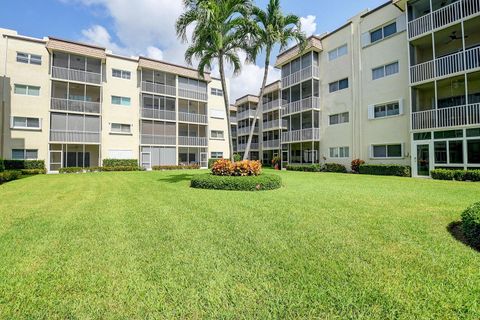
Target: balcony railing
271, 144
159, 88
192, 117
74, 136
76, 75
443, 17
193, 141
272, 105
158, 139
275, 124
158, 114
300, 75
246, 130
250, 113
243, 146
192, 94
301, 105
447, 65
447, 117
233, 119
301, 135
75, 105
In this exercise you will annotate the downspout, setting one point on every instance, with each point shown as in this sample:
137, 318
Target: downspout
2, 125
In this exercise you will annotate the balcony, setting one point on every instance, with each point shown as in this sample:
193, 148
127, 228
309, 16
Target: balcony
193, 141
192, 117
447, 65
301, 105
246, 130
250, 113
158, 114
311, 134
192, 94
443, 17
158, 139
75, 105
273, 105
275, 125
271, 144
447, 117
74, 136
243, 146
300, 75
233, 120
76, 75
159, 88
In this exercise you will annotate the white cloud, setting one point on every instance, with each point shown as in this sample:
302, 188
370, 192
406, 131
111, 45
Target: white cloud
309, 26
154, 53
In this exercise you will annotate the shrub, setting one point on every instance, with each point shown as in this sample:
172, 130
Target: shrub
472, 175
71, 170
120, 168
244, 183
9, 175
180, 167
225, 167
29, 172
24, 164
222, 167
305, 168
334, 167
385, 170
237, 157
459, 175
471, 224
211, 161
2, 166
120, 162
355, 165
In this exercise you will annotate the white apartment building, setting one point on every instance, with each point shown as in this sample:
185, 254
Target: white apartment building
74, 104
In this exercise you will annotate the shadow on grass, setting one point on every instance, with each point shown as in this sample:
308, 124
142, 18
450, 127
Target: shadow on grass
177, 178
456, 231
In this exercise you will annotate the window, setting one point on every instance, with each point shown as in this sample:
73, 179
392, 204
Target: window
24, 154
473, 132
387, 110
216, 134
339, 118
455, 151
339, 152
448, 134
473, 151
422, 136
387, 151
121, 128
385, 71
27, 90
338, 85
338, 52
217, 92
116, 73
216, 155
29, 58
440, 150
123, 101
384, 32
25, 123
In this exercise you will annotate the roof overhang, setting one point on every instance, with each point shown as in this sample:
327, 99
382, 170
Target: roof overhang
245, 99
171, 68
55, 44
313, 43
401, 4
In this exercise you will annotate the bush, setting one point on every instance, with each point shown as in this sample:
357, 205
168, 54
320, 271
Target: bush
10, 175
24, 164
386, 170
211, 161
71, 170
119, 168
237, 157
2, 166
355, 165
180, 167
459, 175
305, 168
243, 183
30, 172
471, 224
334, 167
472, 175
224, 167
120, 162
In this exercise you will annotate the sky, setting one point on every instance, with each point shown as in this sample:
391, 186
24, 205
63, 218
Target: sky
146, 27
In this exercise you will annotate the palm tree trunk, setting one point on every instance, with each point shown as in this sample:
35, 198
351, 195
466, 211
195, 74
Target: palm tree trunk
260, 103
227, 104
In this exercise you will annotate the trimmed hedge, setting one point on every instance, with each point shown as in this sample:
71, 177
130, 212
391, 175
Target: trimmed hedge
244, 183
334, 167
385, 170
30, 172
459, 175
23, 164
305, 168
98, 169
2, 166
10, 175
71, 170
471, 224
120, 162
180, 167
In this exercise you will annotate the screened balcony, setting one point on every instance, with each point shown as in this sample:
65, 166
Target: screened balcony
74, 128
271, 140
71, 67
192, 89
158, 82
301, 97
300, 69
192, 135
192, 111
272, 101
157, 133
73, 97
158, 107
302, 127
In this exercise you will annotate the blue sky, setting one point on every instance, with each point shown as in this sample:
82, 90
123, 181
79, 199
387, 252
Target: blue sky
145, 27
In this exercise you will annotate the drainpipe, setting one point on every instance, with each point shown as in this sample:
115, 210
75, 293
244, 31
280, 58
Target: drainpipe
4, 105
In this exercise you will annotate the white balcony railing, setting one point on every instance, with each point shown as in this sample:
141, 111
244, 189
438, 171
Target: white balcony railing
446, 117
158, 139
159, 88
246, 130
193, 141
272, 105
75, 105
310, 134
74, 136
301, 105
275, 124
444, 16
300, 75
233, 119
192, 117
158, 114
76, 75
192, 94
250, 113
271, 144
450, 64
253, 146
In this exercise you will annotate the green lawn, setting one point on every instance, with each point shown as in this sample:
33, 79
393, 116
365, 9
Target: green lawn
145, 245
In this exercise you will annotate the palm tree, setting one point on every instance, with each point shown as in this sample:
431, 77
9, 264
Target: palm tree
271, 28
219, 34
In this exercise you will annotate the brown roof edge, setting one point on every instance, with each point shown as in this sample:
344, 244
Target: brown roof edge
172, 64
246, 96
77, 43
295, 46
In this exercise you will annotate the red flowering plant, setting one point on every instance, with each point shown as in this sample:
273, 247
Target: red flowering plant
222, 167
243, 168
356, 165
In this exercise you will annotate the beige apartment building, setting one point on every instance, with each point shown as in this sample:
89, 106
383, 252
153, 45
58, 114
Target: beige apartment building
398, 84
74, 104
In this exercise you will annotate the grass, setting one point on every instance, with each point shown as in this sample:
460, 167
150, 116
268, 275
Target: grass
145, 245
